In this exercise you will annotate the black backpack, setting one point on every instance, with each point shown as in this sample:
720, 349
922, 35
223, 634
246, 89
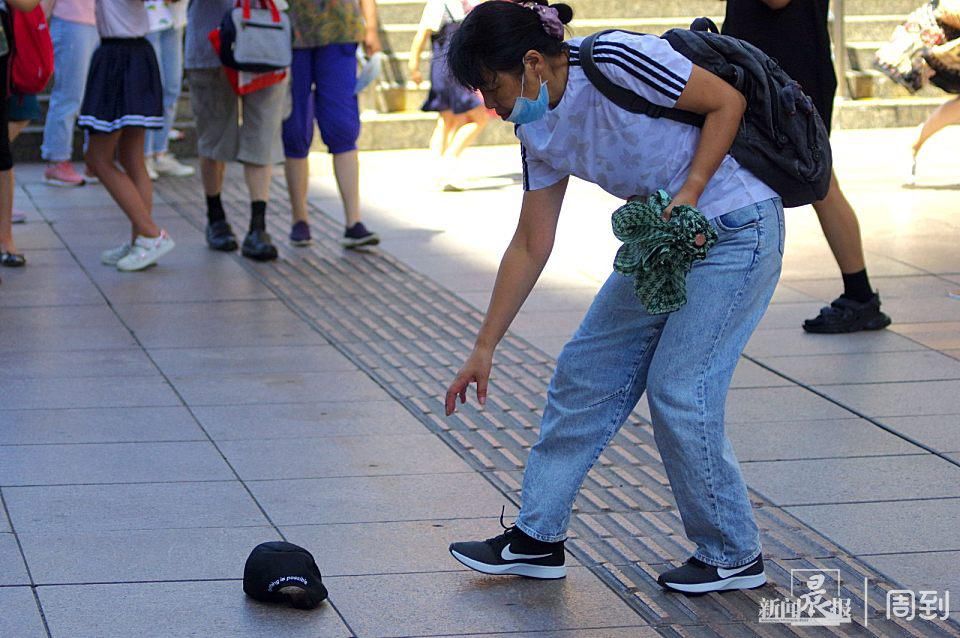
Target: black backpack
782, 139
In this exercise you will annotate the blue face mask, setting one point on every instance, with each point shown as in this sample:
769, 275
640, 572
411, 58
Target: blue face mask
526, 110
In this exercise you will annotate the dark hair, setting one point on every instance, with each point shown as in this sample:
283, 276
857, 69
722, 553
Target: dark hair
494, 37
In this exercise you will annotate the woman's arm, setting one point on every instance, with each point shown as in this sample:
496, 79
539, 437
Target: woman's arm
723, 106
520, 268
23, 5
413, 64
371, 38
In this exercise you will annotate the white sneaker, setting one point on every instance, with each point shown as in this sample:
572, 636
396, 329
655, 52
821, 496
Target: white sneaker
112, 256
151, 168
145, 252
167, 164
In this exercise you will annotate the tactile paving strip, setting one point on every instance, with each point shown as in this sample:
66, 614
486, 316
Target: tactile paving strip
411, 335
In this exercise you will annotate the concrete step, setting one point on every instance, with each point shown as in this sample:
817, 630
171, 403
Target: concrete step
409, 11
884, 112
874, 84
383, 131
859, 28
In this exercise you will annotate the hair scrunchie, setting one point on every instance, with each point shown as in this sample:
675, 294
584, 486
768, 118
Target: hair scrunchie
549, 18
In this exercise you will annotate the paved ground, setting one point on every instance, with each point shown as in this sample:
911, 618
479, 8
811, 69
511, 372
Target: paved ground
155, 427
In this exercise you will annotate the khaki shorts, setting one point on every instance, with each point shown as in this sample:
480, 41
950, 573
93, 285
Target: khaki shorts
237, 128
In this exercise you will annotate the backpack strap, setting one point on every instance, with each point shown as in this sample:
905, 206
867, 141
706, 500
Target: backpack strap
625, 98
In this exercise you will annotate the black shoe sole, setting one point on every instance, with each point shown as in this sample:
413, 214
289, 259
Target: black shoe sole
301, 243
360, 243
875, 323
271, 256
736, 583
540, 572
223, 248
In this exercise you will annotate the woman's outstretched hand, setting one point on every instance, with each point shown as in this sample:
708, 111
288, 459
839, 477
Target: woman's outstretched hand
475, 370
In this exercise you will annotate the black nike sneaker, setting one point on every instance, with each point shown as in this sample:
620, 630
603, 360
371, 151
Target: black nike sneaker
696, 577
513, 552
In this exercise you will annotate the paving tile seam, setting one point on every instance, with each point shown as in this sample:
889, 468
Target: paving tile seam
853, 411
916, 553
794, 459
884, 382
118, 483
23, 558
336, 334
132, 442
184, 403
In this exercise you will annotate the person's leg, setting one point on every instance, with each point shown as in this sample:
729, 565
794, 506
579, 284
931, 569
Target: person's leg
258, 182
859, 306
438, 140
151, 242
476, 120
297, 171
215, 110
946, 114
452, 123
7, 244
171, 69
14, 129
127, 193
690, 375
338, 116
211, 176
260, 147
600, 375
131, 158
298, 132
346, 168
257, 244
155, 38
841, 228
74, 45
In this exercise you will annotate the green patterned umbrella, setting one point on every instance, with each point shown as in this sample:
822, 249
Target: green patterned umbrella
659, 253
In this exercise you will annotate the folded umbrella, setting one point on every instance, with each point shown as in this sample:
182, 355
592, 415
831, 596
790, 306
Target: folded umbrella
659, 253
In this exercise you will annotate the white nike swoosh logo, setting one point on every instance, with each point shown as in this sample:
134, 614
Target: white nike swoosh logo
726, 573
506, 554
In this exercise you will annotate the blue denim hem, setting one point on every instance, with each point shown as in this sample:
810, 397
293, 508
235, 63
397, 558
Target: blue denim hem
715, 563
537, 535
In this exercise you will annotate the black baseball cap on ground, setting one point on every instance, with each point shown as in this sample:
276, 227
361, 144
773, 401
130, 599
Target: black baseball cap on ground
278, 572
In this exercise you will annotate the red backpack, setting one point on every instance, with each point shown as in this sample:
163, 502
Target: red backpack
31, 63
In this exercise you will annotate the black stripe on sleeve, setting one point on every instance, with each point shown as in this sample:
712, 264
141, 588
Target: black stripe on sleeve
526, 172
641, 67
645, 58
667, 92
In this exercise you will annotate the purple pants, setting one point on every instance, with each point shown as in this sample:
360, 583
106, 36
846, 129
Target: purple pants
322, 81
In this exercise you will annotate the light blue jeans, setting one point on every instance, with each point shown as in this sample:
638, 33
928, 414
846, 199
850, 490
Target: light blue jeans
684, 361
168, 45
73, 47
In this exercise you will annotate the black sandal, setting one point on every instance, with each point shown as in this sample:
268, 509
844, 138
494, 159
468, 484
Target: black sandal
12, 260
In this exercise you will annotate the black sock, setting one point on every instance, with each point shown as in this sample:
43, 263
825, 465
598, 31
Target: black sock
258, 215
215, 209
856, 286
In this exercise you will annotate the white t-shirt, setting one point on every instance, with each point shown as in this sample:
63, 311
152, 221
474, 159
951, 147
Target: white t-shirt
122, 19
438, 13
624, 153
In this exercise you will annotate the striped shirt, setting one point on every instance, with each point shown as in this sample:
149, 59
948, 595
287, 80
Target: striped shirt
588, 136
